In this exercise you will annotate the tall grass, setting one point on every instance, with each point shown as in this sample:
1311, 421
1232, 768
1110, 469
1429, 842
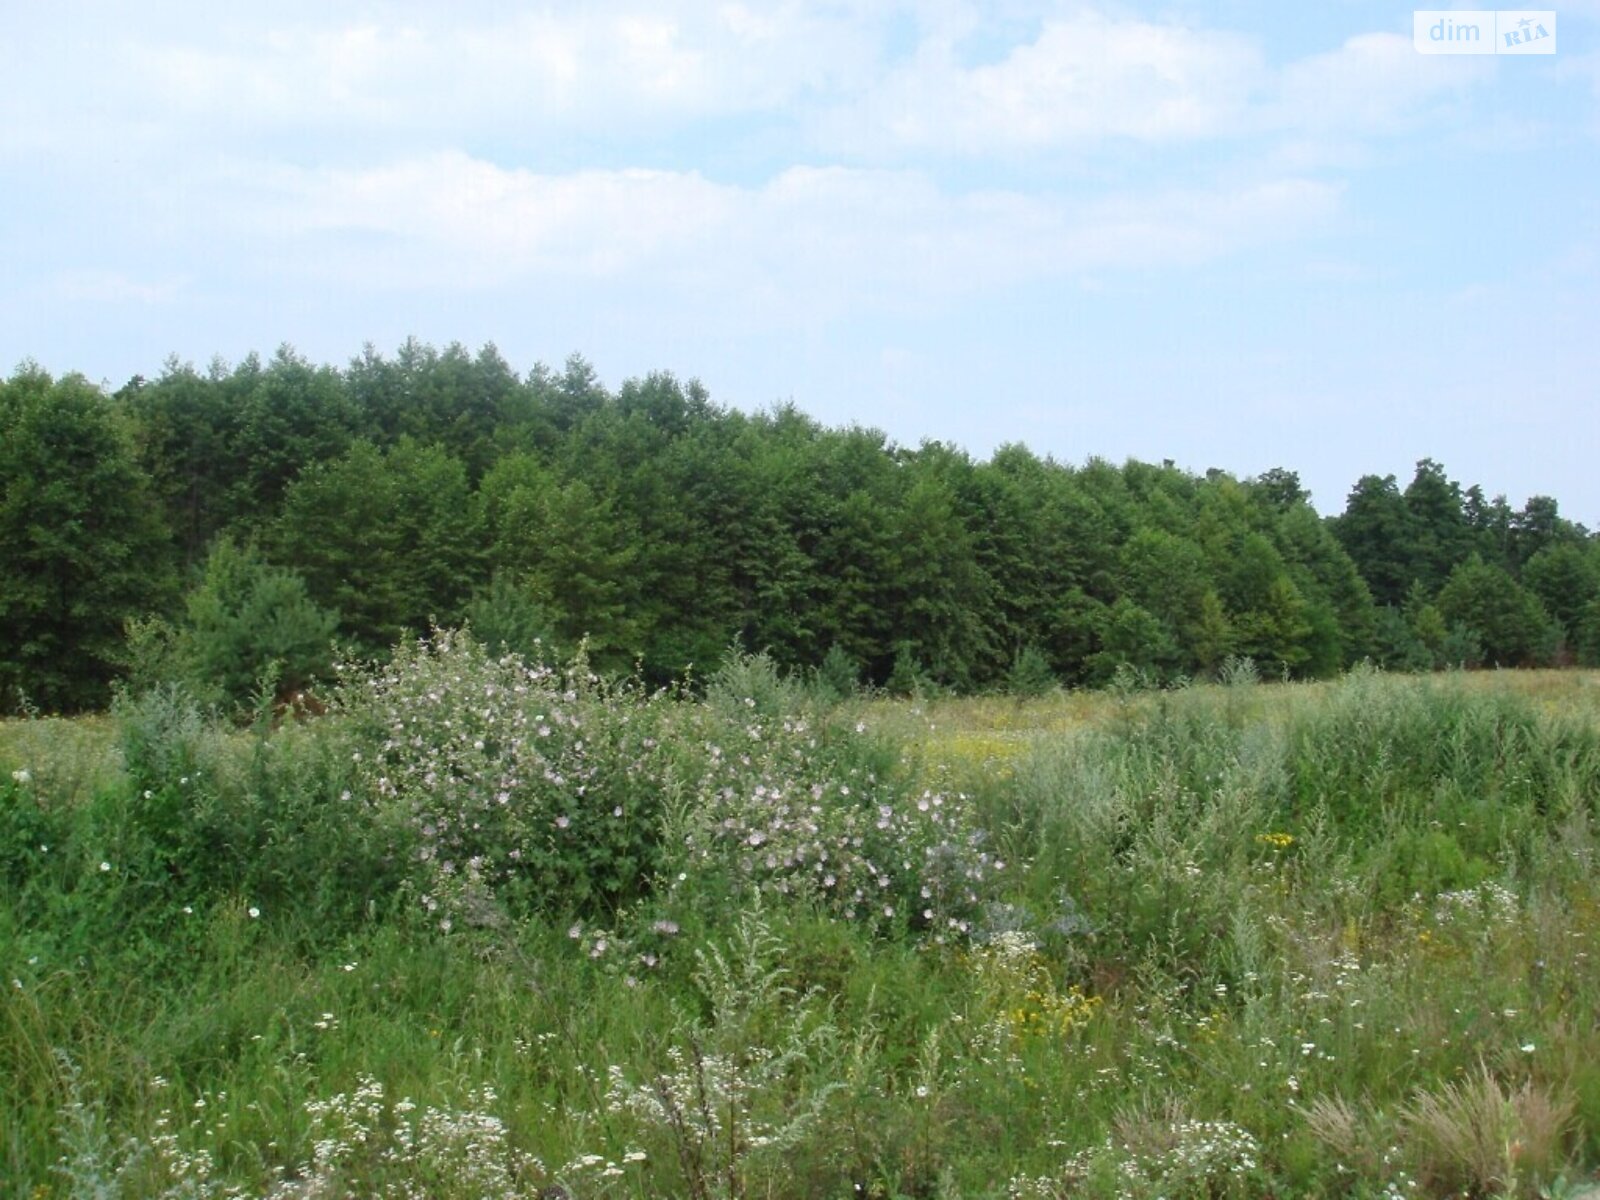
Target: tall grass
1328, 940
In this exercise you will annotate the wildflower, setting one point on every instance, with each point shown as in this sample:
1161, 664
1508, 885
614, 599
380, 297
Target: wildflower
253, 911
22, 776
563, 821
105, 866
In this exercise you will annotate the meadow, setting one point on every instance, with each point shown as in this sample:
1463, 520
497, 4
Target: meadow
488, 929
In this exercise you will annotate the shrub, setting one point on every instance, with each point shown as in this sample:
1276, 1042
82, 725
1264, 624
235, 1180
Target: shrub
518, 785
508, 619
839, 676
791, 804
248, 621
1030, 673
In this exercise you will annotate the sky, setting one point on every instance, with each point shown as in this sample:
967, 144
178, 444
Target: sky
1241, 234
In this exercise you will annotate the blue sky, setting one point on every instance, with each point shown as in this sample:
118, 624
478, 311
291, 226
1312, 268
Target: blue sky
1232, 234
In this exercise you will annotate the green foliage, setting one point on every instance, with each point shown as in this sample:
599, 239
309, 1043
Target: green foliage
208, 815
187, 427
507, 619
839, 676
1131, 637
1030, 673
908, 677
1461, 648
1509, 622
290, 416
656, 528
565, 545
1308, 939
793, 805
1589, 634
1566, 579
389, 540
521, 789
248, 621
82, 547
1440, 535
939, 594
1277, 632
1377, 530
734, 1101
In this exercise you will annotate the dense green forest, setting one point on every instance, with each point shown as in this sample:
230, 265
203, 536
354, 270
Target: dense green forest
231, 527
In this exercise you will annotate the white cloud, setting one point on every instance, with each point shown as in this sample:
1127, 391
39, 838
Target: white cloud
1375, 83
1082, 79
580, 67
833, 237
1092, 79
413, 77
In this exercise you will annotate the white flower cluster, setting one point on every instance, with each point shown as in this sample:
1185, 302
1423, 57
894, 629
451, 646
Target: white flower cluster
501, 772
782, 813
1189, 1158
409, 1152
1491, 902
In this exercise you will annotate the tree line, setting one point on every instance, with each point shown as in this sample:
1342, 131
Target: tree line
232, 527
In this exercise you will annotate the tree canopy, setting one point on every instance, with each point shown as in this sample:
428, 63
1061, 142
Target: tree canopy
660, 528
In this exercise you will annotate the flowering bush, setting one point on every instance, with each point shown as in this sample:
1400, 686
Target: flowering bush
791, 804
518, 785
523, 788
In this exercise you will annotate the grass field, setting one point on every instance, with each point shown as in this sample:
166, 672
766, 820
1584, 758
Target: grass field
490, 932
